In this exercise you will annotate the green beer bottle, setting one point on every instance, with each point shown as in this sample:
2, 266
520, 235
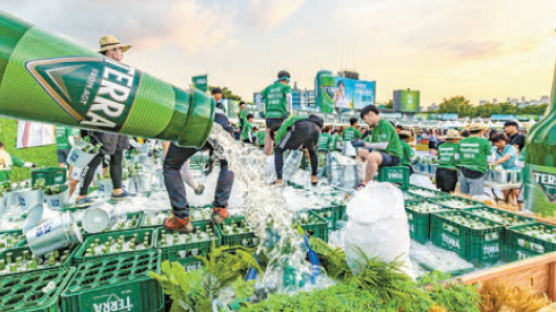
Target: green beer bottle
46, 78
539, 174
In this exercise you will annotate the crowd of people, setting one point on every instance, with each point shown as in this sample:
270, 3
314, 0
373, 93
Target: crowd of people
463, 157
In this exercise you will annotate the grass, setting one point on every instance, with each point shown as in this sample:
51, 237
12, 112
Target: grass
42, 156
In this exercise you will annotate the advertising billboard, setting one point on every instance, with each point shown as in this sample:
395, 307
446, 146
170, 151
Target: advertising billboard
353, 94
406, 101
342, 94
324, 91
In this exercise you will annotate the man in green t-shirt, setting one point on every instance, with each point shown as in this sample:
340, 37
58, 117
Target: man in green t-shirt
278, 105
473, 153
384, 148
351, 132
408, 153
295, 133
325, 139
448, 155
260, 135
247, 130
242, 116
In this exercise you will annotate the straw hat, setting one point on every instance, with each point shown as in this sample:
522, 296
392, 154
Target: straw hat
452, 134
476, 127
108, 42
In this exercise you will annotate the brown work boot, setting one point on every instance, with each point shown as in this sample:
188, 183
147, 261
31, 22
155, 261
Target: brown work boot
219, 215
177, 224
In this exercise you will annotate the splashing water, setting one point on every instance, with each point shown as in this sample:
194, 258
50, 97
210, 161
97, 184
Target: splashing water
266, 211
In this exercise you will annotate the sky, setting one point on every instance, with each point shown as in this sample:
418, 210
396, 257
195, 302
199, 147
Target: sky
481, 49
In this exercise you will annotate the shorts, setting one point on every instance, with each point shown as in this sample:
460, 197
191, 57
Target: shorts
388, 160
270, 122
63, 155
446, 179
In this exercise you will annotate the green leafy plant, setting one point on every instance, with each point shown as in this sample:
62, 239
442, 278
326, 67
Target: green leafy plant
39, 184
194, 291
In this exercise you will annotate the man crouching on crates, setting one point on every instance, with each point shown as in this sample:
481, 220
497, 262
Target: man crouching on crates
294, 133
384, 148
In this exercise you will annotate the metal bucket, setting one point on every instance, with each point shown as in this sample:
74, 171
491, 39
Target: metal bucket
33, 219
141, 182
157, 179
57, 201
350, 177
97, 219
292, 163
53, 234
349, 150
79, 158
28, 198
105, 187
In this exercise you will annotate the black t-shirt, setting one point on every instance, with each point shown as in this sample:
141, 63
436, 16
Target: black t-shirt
517, 139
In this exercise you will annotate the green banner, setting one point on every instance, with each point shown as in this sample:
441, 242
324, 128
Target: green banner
200, 82
325, 88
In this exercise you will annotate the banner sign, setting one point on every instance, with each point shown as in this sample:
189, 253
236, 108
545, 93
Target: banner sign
200, 82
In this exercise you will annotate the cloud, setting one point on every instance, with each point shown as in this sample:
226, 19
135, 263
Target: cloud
270, 13
191, 25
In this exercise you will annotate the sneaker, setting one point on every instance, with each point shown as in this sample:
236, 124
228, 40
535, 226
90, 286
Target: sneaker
178, 224
219, 215
360, 186
83, 202
200, 189
123, 195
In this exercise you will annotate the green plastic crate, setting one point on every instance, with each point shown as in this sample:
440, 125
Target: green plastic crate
330, 214
183, 252
456, 202
407, 196
500, 216
478, 246
317, 229
419, 222
80, 257
42, 263
11, 239
155, 219
522, 245
122, 225
115, 284
50, 175
247, 239
395, 174
33, 291
425, 193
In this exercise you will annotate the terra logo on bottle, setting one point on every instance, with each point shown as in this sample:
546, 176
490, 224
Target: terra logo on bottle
96, 92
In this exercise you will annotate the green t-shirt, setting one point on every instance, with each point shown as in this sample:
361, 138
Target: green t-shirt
242, 117
246, 131
351, 133
385, 132
407, 154
447, 155
284, 128
324, 142
260, 137
276, 104
473, 153
334, 142
62, 134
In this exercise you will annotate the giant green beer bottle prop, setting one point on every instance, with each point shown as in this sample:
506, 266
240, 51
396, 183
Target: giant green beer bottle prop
46, 78
540, 162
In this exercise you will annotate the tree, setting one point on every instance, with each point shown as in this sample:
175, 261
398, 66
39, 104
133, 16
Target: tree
390, 104
456, 104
